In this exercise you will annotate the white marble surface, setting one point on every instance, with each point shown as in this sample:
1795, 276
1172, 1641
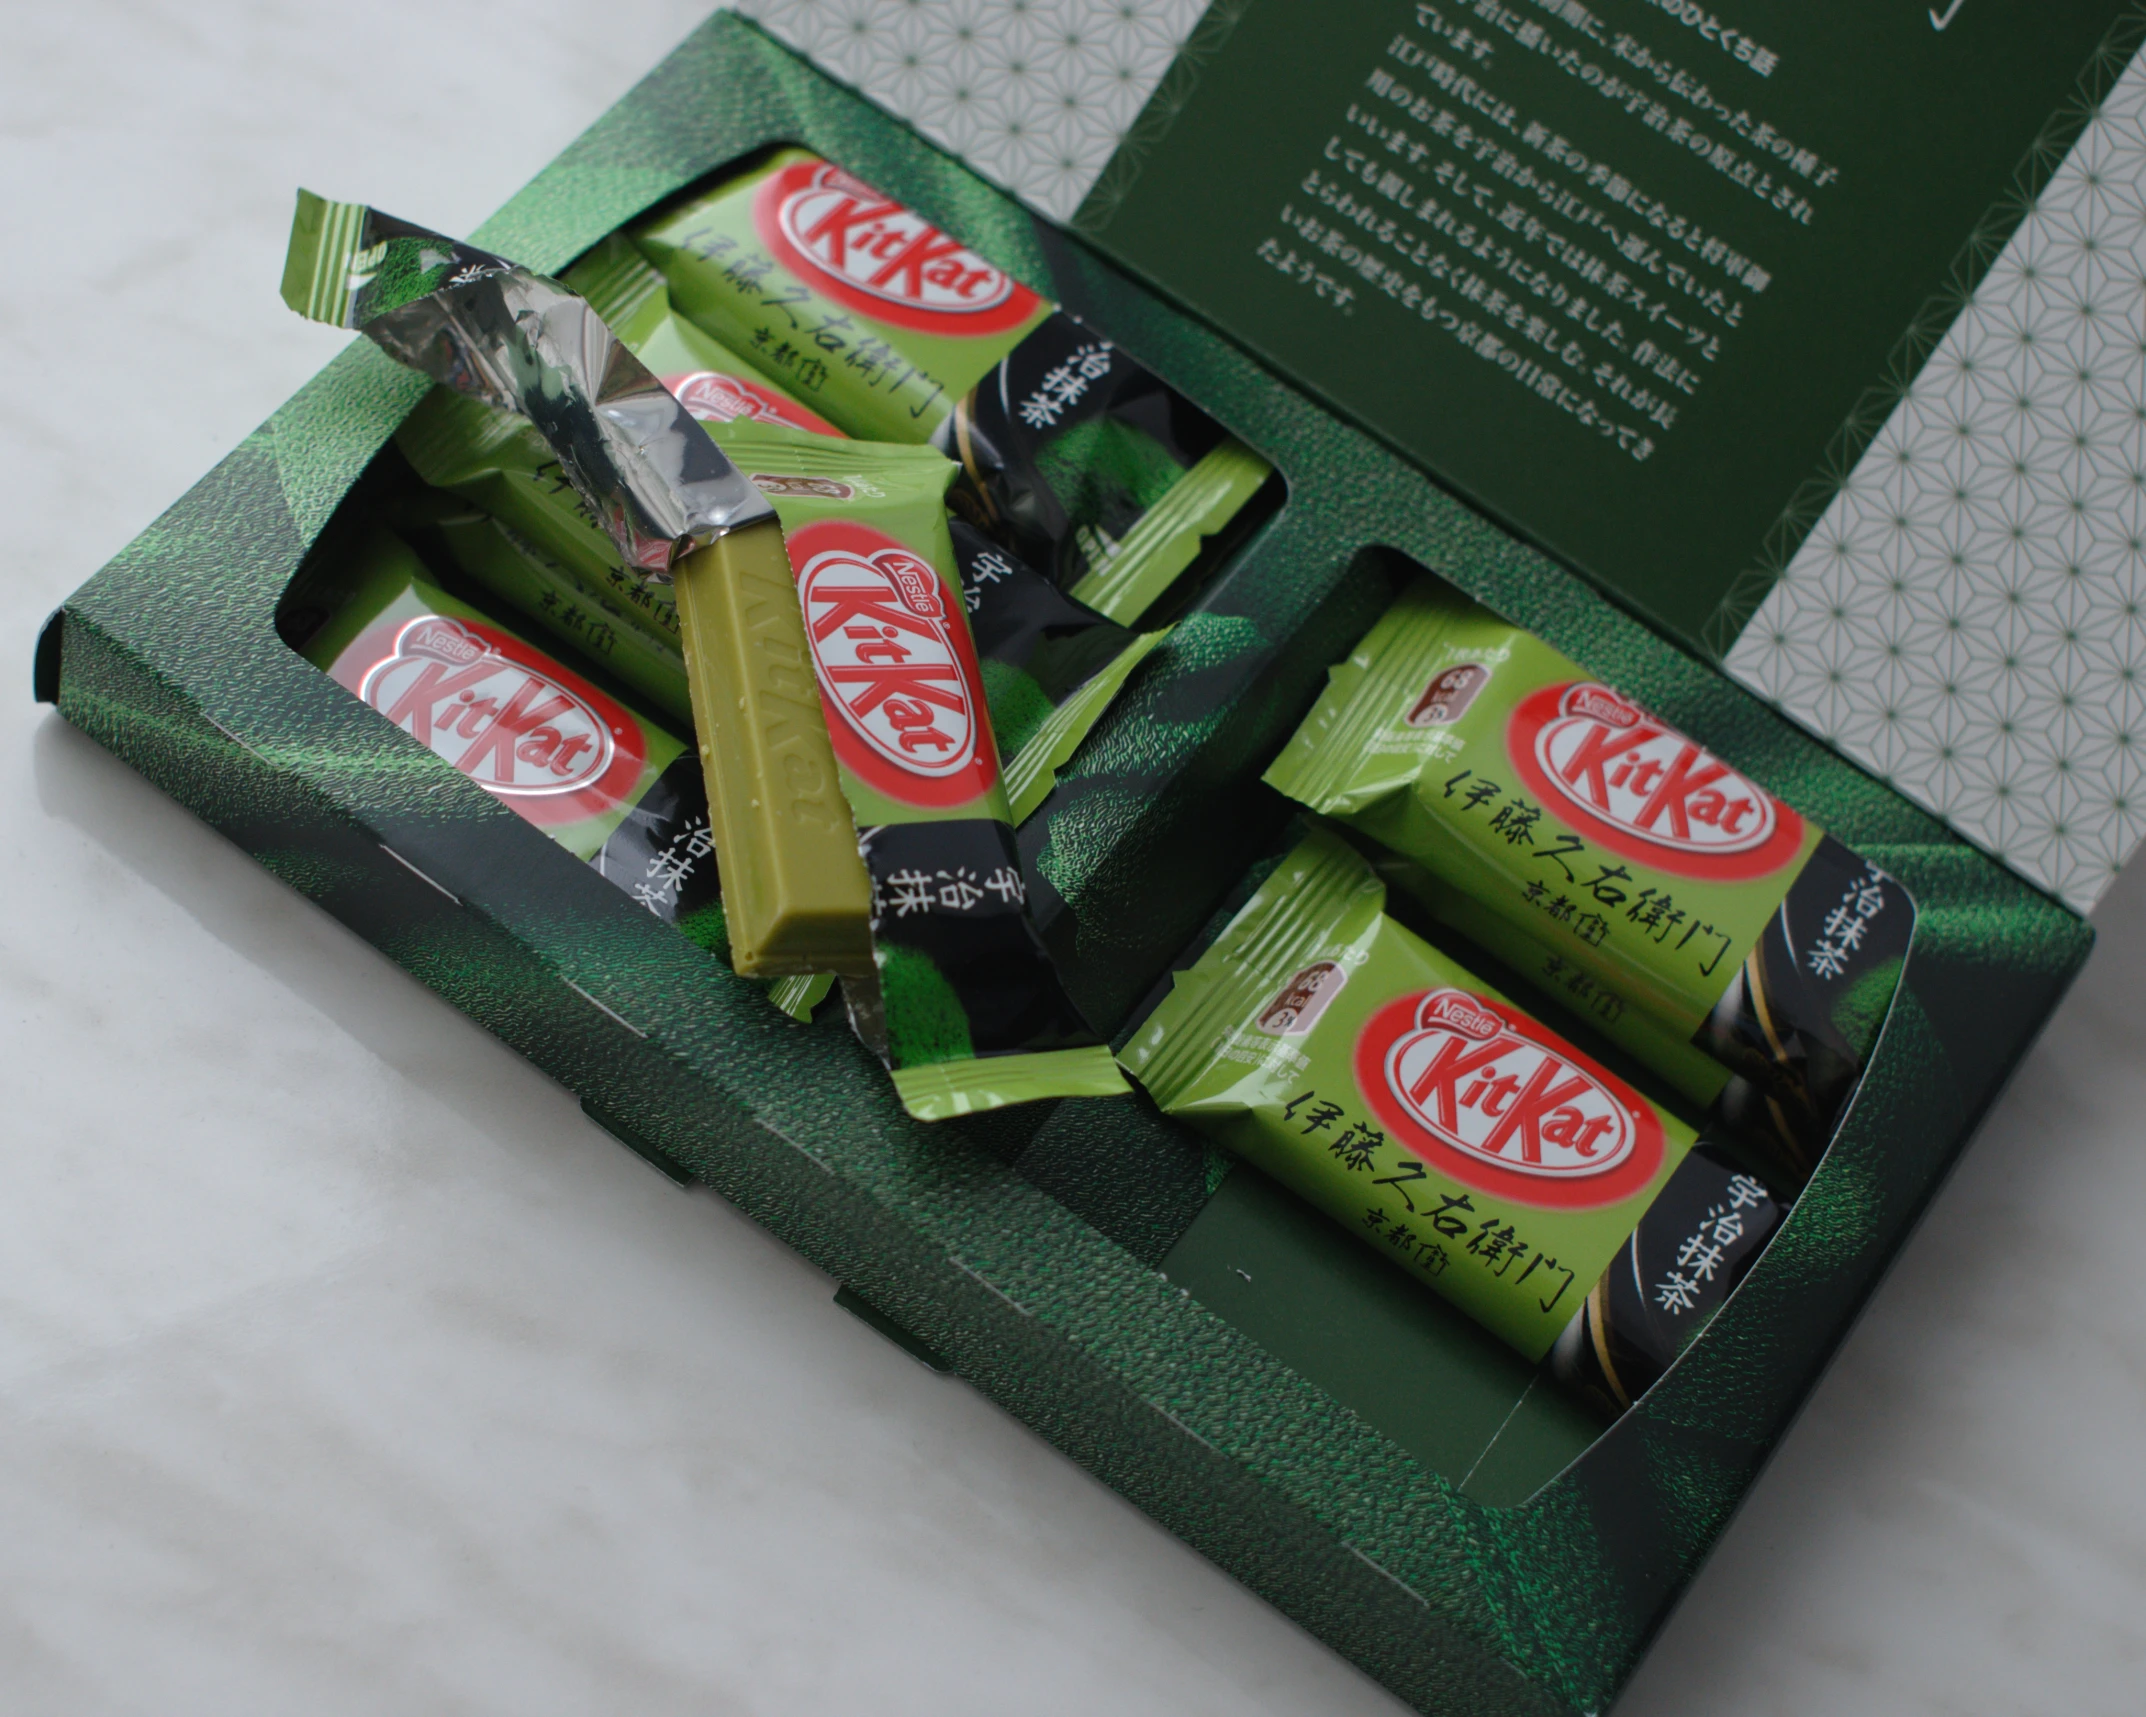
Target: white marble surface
345, 1367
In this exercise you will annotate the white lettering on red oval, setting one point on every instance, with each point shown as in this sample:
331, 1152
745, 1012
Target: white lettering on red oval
714, 397
885, 659
881, 248
504, 725
1623, 766
1505, 1097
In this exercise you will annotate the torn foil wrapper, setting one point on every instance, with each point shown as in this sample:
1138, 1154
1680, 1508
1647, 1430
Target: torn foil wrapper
521, 341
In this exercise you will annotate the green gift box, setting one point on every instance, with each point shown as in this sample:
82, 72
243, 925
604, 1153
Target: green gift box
1290, 1405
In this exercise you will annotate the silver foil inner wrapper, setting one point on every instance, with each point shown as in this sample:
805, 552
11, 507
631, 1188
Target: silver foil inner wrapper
521, 341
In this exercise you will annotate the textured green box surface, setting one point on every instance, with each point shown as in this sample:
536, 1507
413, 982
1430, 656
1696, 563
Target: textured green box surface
1024, 1248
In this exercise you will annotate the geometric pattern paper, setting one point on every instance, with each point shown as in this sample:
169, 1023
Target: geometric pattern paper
1968, 618
1964, 618
1034, 94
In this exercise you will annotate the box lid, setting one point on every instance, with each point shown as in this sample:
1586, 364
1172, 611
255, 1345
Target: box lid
1816, 340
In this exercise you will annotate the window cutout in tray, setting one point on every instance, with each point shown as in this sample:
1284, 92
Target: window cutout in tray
798, 277
1381, 1342
555, 733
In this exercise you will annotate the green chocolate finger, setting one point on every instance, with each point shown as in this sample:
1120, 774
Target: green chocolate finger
964, 1003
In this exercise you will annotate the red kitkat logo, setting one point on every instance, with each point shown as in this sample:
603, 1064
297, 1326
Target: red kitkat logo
512, 720
714, 396
1497, 1102
873, 256
896, 670
1645, 791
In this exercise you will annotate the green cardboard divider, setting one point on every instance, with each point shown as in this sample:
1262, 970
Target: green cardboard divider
1076, 1263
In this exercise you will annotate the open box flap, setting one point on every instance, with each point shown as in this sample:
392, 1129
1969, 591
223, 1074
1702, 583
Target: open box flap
1933, 558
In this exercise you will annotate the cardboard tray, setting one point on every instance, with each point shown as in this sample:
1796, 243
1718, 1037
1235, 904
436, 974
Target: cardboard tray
1275, 1395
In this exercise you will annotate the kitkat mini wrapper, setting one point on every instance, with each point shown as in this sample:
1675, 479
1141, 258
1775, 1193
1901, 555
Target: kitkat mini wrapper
962, 1000
1468, 1143
1695, 920
608, 784
1078, 459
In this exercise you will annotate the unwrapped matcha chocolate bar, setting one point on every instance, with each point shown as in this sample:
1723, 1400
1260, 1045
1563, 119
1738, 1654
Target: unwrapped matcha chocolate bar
852, 633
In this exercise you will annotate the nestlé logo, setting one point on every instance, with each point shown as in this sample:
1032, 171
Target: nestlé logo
715, 397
